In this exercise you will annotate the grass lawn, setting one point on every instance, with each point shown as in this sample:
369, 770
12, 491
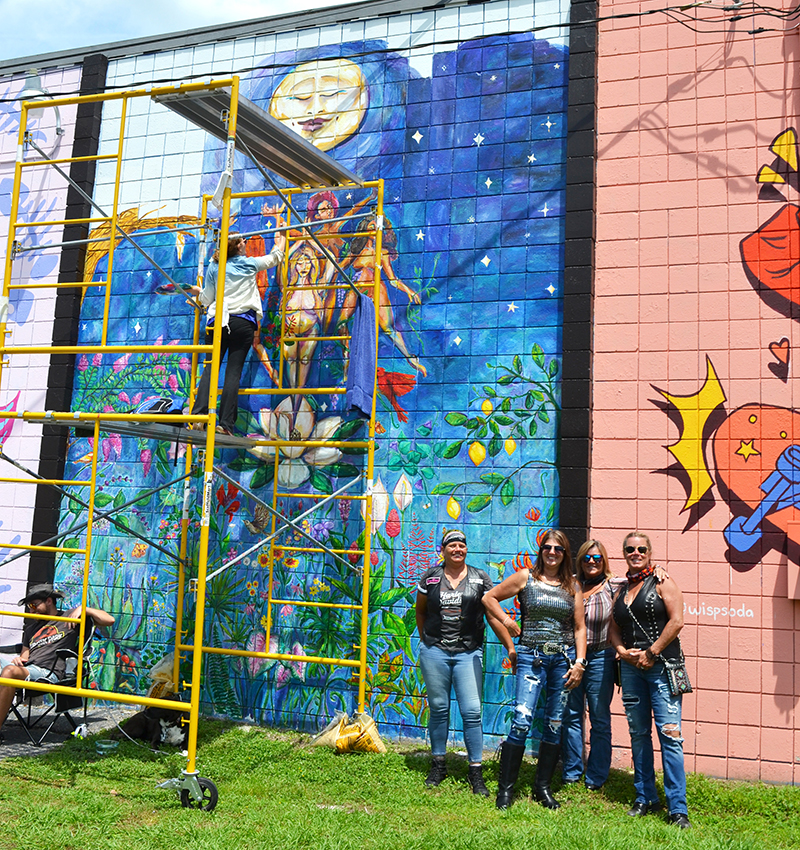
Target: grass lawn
276, 792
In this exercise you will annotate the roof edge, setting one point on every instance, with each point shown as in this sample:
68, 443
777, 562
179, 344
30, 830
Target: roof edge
344, 13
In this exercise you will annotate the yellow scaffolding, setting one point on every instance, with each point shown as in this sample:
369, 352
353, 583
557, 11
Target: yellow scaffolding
216, 106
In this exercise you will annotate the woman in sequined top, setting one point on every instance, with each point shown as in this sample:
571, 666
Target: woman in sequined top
647, 618
552, 632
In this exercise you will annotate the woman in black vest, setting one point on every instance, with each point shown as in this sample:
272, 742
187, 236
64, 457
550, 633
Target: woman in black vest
450, 623
647, 617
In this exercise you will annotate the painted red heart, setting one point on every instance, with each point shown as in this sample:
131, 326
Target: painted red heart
746, 447
771, 260
780, 350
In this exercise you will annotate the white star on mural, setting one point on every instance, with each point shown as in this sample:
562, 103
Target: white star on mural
420, 236
478, 139
488, 183
449, 297
545, 209
548, 124
417, 137
512, 307
531, 158
527, 236
551, 289
397, 197
148, 274
557, 66
84, 326
349, 195
457, 340
486, 260
431, 170
137, 327
471, 219
493, 77
324, 406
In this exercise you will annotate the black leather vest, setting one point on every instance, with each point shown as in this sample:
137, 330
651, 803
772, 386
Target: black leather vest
649, 618
472, 624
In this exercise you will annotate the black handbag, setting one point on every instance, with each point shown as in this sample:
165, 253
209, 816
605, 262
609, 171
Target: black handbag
675, 668
677, 676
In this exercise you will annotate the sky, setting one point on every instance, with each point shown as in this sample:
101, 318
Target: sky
43, 26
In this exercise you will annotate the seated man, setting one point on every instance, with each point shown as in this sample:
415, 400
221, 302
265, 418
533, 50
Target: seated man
41, 640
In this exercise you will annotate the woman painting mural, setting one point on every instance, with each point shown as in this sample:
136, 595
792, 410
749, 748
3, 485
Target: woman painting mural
323, 101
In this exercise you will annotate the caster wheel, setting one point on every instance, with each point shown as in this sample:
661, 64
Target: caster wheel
210, 796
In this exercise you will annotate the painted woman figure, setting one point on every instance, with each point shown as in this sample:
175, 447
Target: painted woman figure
361, 258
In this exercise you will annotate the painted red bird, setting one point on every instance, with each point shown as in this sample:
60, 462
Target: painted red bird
394, 384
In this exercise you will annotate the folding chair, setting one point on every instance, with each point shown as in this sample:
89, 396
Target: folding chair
63, 704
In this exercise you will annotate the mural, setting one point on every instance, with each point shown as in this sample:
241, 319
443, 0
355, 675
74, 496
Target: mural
473, 156
753, 451
42, 199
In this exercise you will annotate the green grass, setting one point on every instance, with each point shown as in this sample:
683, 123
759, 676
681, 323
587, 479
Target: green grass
276, 792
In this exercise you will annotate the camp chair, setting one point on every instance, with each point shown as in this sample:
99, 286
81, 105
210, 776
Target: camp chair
63, 704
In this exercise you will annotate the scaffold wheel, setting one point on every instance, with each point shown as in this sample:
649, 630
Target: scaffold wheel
210, 796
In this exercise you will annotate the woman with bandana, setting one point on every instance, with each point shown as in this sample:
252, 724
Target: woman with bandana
648, 616
450, 615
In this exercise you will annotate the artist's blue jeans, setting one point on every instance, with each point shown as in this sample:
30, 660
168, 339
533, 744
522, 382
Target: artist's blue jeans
595, 690
463, 672
537, 674
646, 697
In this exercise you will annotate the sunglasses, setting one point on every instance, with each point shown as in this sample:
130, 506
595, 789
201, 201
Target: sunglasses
596, 558
550, 548
642, 550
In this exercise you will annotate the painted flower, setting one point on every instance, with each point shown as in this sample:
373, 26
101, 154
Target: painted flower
533, 514
294, 466
290, 563
139, 549
403, 493
380, 506
393, 523
121, 363
83, 363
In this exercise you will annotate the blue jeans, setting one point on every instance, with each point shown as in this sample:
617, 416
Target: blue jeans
596, 690
463, 671
537, 674
646, 697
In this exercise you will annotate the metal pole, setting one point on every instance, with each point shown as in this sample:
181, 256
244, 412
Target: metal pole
285, 527
97, 515
294, 212
292, 523
102, 212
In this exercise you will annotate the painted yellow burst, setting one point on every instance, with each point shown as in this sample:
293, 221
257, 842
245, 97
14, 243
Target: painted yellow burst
688, 451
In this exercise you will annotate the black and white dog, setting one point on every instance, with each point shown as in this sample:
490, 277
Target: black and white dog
157, 726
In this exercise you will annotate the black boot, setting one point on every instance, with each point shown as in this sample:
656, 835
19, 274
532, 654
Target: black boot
438, 772
548, 758
510, 762
475, 778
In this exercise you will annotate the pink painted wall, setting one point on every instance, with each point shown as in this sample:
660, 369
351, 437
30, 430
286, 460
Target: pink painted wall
685, 121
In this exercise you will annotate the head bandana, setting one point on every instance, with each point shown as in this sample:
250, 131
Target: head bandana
454, 536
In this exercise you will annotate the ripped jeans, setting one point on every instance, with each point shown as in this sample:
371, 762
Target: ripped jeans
646, 697
536, 674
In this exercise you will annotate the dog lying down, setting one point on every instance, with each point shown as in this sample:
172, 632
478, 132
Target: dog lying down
157, 726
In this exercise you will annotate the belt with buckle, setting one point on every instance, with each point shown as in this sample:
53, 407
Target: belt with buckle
551, 647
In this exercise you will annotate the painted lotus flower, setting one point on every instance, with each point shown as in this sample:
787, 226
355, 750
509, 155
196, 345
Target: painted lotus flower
258, 643
294, 466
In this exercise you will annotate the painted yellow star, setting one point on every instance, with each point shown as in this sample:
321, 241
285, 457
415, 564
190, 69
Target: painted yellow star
747, 450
